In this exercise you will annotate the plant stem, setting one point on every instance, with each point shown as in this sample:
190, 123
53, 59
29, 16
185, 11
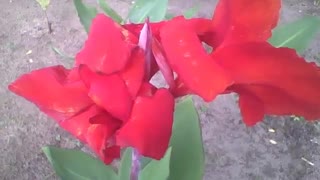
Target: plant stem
135, 165
48, 22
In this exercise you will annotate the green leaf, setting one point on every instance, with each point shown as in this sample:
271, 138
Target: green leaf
85, 13
297, 34
145, 161
191, 12
169, 16
125, 165
109, 11
155, 10
187, 157
157, 170
44, 3
77, 165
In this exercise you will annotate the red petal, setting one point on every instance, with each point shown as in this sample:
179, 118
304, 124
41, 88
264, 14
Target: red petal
180, 89
128, 36
52, 92
190, 61
252, 108
202, 27
150, 125
133, 74
238, 21
109, 92
284, 82
111, 153
106, 49
78, 125
283, 103
147, 89
97, 136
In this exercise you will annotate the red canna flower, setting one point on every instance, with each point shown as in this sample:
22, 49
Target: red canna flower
268, 80
106, 100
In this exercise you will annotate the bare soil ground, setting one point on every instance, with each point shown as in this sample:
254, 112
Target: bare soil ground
233, 151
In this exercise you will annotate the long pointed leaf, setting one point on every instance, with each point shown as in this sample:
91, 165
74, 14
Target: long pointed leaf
109, 11
44, 3
191, 12
125, 165
296, 35
77, 165
157, 170
187, 157
155, 10
169, 16
85, 13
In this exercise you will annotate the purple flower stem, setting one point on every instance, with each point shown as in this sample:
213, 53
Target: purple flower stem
135, 165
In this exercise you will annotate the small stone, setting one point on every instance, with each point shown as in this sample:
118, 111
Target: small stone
58, 137
273, 142
271, 130
29, 52
78, 143
307, 161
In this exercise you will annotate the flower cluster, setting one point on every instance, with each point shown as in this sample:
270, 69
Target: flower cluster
107, 101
